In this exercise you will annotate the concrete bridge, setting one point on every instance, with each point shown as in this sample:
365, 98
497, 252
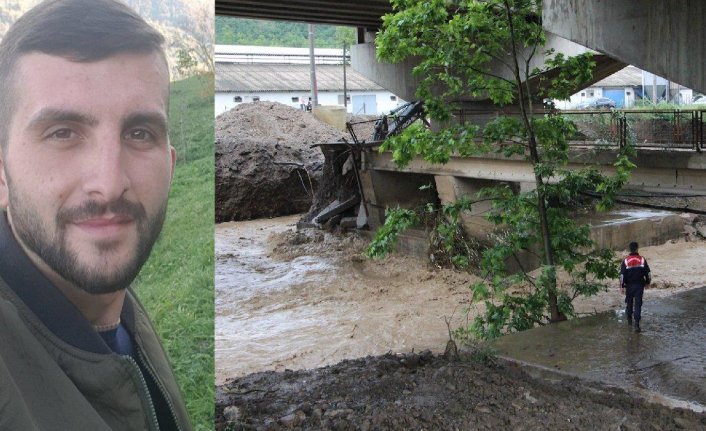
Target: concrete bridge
666, 37
386, 185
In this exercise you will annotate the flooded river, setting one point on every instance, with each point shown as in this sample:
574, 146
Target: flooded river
287, 300
321, 304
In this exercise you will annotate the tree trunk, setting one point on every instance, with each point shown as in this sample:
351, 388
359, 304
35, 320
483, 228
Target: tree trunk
553, 305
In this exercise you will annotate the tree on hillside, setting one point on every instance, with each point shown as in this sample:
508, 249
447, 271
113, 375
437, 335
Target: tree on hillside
202, 29
489, 50
185, 63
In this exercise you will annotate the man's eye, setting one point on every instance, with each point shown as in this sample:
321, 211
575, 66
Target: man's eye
62, 134
139, 135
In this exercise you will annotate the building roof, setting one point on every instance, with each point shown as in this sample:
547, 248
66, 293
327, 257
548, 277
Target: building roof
259, 77
275, 54
630, 76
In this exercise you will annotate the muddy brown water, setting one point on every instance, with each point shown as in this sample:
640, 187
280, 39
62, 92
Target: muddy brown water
322, 304
667, 360
276, 312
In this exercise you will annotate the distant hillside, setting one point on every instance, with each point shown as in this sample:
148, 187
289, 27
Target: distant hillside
240, 31
186, 24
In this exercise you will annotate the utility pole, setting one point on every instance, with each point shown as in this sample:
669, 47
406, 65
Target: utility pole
667, 92
345, 88
312, 62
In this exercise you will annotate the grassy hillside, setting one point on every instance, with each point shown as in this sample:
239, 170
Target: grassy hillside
176, 284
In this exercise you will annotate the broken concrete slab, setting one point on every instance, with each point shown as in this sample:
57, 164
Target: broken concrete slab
335, 208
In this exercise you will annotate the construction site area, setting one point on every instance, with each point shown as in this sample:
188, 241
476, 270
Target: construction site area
298, 305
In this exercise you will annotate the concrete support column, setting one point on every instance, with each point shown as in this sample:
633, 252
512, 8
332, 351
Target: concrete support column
376, 212
394, 189
527, 186
451, 189
665, 37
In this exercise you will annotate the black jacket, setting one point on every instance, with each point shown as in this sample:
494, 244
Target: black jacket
57, 373
634, 271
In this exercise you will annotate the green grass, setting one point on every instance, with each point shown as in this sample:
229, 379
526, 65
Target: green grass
191, 117
176, 284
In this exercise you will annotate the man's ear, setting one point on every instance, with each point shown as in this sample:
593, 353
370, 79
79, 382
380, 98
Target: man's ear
4, 193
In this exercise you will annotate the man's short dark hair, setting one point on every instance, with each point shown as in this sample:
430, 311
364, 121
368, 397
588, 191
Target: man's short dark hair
633, 247
78, 30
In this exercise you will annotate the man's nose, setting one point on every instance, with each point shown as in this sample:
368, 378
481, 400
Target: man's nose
106, 176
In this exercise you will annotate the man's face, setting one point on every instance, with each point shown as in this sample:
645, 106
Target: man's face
86, 171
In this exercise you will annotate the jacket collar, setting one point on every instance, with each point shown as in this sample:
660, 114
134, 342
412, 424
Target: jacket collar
40, 296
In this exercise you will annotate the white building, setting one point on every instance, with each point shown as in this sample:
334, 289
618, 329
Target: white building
627, 86
248, 74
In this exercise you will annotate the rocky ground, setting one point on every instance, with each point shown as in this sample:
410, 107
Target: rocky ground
427, 392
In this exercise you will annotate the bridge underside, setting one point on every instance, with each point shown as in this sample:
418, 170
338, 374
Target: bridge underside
361, 13
665, 37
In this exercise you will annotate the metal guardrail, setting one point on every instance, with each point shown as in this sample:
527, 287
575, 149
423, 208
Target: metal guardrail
659, 129
664, 129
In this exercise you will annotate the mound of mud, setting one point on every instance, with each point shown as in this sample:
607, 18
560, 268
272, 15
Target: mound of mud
265, 165
422, 391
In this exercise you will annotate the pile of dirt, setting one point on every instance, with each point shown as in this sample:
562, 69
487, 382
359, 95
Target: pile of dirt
265, 165
423, 391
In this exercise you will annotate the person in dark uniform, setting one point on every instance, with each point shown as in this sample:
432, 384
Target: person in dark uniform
634, 279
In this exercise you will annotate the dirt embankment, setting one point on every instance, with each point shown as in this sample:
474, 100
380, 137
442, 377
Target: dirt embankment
423, 391
265, 165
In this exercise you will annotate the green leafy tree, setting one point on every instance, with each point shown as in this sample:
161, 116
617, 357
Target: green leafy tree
345, 35
493, 50
185, 62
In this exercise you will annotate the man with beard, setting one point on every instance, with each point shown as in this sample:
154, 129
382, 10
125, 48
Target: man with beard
85, 171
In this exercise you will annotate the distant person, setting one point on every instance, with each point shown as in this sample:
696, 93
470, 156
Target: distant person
85, 172
634, 279
308, 105
302, 104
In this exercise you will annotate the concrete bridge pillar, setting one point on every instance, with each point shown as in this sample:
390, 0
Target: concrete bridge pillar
452, 188
394, 189
666, 37
398, 78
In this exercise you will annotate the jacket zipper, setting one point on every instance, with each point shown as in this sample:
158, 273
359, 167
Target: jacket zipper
148, 367
136, 369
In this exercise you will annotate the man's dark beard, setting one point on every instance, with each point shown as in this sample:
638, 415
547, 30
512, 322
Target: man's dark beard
54, 251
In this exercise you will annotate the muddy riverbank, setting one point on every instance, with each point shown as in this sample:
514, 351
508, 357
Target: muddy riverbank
423, 391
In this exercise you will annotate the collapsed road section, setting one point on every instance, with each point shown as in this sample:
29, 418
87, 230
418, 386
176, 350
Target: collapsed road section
341, 198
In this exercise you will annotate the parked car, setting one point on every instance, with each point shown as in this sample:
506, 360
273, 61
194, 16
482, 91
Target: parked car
699, 100
596, 103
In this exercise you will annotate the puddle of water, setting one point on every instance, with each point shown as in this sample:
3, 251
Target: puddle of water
668, 357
